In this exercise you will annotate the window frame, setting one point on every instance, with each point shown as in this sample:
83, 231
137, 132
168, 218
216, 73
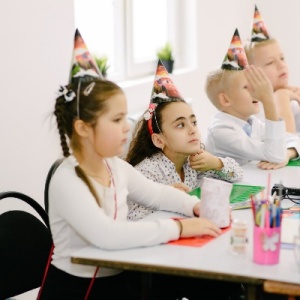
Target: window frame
182, 20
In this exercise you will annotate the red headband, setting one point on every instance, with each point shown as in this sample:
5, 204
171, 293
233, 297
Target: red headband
148, 116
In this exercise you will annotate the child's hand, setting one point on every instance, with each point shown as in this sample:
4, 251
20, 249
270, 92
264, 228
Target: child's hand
266, 165
198, 226
196, 209
204, 161
260, 86
181, 186
261, 90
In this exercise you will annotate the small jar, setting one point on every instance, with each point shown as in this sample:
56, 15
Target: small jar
239, 237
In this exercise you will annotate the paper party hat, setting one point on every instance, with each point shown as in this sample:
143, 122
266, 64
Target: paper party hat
235, 58
259, 30
83, 64
164, 89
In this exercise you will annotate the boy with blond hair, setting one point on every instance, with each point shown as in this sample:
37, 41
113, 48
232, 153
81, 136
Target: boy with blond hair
236, 90
265, 52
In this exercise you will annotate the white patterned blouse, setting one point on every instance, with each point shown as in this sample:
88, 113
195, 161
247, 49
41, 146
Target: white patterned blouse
160, 169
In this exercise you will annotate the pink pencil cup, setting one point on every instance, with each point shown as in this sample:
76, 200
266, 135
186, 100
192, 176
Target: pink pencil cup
266, 245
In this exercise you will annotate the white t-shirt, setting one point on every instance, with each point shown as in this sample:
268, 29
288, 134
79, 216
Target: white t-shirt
76, 220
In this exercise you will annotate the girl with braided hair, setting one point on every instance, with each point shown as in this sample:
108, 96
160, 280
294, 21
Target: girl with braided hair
89, 191
88, 196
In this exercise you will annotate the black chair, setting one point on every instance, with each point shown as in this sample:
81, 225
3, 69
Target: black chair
48, 179
25, 244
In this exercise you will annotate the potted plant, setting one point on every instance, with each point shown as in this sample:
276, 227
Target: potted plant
166, 56
102, 64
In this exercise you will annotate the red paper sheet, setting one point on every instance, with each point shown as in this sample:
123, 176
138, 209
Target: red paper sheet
196, 241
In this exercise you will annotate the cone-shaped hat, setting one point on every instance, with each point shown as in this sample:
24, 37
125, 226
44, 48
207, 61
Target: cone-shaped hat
163, 89
83, 64
259, 30
235, 58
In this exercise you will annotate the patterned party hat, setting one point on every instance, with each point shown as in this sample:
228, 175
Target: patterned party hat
259, 31
235, 58
164, 89
83, 64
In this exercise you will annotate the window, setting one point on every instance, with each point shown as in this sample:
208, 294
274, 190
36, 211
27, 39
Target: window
130, 32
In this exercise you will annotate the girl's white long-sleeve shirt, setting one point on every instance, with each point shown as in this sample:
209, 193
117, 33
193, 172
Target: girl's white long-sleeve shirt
76, 220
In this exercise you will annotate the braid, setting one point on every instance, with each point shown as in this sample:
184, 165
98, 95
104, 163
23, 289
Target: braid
86, 104
59, 112
81, 174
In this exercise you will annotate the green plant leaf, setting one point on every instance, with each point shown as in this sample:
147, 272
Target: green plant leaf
102, 63
165, 53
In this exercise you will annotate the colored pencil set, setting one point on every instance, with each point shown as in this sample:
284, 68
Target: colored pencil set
266, 213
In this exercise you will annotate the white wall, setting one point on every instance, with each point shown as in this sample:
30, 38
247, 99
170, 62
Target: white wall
36, 39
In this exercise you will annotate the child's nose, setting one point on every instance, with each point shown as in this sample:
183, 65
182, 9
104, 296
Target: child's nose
126, 127
281, 64
192, 128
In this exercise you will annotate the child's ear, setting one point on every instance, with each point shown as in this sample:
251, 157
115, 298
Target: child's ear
81, 128
223, 100
157, 140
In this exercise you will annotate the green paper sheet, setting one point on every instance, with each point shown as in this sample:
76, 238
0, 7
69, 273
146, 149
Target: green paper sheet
240, 195
294, 163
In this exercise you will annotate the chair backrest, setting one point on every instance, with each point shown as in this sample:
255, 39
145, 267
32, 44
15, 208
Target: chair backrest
48, 179
25, 246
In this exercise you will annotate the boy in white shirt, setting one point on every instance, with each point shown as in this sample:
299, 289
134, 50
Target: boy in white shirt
236, 89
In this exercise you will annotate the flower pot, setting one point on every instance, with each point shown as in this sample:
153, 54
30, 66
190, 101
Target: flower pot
168, 65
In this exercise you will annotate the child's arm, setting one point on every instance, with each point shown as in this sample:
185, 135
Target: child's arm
295, 92
261, 89
283, 98
265, 165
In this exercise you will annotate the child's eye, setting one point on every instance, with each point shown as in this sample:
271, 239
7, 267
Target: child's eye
118, 120
195, 122
282, 58
269, 63
180, 125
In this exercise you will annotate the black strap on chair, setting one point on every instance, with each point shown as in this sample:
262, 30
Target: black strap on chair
48, 179
35, 205
25, 244
46, 202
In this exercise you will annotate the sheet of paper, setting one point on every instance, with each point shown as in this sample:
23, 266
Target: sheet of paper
290, 227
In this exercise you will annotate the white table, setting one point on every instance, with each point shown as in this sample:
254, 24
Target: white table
213, 260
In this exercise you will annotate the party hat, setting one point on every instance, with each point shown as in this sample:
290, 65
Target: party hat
164, 89
84, 66
235, 58
259, 31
